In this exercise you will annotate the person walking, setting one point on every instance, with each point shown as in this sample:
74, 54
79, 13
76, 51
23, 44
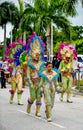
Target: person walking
4, 70
49, 84
16, 84
67, 53
80, 66
35, 64
74, 74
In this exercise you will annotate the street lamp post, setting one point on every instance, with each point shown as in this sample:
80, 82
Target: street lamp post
49, 41
11, 34
51, 56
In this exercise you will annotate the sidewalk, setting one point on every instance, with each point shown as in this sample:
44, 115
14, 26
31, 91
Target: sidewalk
77, 92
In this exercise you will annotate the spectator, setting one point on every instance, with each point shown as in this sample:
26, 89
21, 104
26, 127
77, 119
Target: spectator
75, 68
1, 62
80, 66
3, 78
56, 63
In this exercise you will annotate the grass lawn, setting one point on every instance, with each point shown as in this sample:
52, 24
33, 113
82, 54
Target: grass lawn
80, 85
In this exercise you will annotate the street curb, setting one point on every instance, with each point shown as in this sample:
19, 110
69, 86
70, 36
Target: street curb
76, 92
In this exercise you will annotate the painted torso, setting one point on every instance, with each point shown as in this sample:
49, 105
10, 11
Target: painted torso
49, 75
66, 69
50, 78
35, 68
16, 75
34, 71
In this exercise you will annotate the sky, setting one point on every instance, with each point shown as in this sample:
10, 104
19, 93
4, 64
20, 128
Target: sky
78, 20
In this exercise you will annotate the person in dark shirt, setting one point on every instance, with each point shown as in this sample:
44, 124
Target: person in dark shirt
3, 79
56, 63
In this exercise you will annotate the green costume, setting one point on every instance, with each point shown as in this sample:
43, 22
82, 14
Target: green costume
66, 71
67, 54
34, 85
49, 83
36, 54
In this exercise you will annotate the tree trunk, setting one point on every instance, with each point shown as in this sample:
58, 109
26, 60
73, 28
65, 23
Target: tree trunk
48, 42
5, 46
24, 37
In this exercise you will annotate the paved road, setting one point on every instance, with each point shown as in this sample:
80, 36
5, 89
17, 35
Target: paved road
64, 116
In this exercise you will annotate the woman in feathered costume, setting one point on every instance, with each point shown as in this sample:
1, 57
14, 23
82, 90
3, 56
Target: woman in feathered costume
35, 64
16, 75
23, 60
67, 54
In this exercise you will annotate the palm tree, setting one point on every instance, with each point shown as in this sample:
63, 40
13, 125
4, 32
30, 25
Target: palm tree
54, 11
16, 15
71, 7
18, 31
3, 20
41, 14
21, 11
6, 16
82, 2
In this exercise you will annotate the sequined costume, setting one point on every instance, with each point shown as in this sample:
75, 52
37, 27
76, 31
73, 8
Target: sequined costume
16, 84
34, 85
49, 84
67, 53
12, 55
66, 71
35, 64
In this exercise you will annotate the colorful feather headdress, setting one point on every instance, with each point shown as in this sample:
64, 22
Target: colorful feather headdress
35, 45
65, 50
14, 51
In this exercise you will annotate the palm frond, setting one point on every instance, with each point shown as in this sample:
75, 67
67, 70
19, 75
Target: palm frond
82, 2
21, 6
70, 7
63, 24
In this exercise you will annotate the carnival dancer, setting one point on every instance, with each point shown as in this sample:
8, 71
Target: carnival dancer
49, 84
35, 64
67, 53
23, 62
16, 84
16, 79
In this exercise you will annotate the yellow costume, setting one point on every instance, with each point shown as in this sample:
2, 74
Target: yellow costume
66, 53
16, 84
